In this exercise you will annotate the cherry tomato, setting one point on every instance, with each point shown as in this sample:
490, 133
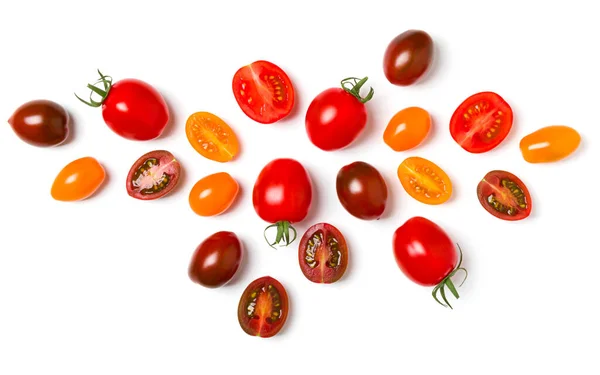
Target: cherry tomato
481, 122
337, 116
263, 91
216, 260
407, 57
549, 144
41, 123
211, 137
282, 195
263, 307
323, 254
213, 194
131, 108
362, 191
153, 175
504, 195
424, 181
427, 256
78, 180
407, 129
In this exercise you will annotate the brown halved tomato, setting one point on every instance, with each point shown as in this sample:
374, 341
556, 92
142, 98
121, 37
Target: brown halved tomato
424, 180
211, 137
263, 307
153, 175
323, 254
504, 195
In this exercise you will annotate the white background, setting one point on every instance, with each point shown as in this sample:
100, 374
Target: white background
101, 286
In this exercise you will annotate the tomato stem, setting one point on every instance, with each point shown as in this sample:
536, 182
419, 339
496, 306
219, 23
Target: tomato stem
447, 282
355, 85
283, 233
103, 93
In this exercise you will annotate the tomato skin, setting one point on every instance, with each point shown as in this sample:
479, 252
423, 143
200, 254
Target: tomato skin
216, 260
41, 123
362, 190
407, 129
549, 144
270, 312
323, 254
153, 175
504, 196
424, 180
78, 180
213, 194
211, 137
408, 57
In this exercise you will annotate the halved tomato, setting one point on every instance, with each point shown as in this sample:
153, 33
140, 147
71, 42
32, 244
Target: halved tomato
211, 137
424, 180
323, 254
504, 195
263, 307
481, 122
263, 91
153, 175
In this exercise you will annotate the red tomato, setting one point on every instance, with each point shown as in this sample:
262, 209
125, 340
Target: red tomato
282, 195
337, 116
131, 108
323, 254
504, 195
263, 307
426, 255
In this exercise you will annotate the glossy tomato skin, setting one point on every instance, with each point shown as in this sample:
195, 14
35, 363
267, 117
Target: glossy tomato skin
408, 57
213, 194
211, 137
323, 254
549, 144
78, 180
216, 260
153, 175
504, 196
361, 190
407, 129
41, 123
263, 307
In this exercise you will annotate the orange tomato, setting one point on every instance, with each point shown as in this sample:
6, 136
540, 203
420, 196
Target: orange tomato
424, 181
407, 129
211, 137
549, 144
78, 180
213, 194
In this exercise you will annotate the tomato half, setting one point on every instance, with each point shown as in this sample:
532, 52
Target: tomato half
78, 180
263, 91
213, 194
424, 180
263, 307
211, 137
323, 254
481, 122
504, 195
153, 175
549, 144
216, 260
362, 190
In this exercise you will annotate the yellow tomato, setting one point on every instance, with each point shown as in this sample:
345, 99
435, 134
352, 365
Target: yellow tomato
407, 129
424, 181
549, 144
213, 194
78, 180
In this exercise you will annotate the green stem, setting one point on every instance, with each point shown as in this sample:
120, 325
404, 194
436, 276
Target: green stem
355, 85
106, 82
283, 233
447, 282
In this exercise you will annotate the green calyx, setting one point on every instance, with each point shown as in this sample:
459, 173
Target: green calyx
355, 85
106, 82
283, 233
447, 282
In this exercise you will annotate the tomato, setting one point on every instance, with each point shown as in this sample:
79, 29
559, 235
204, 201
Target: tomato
211, 137
504, 195
216, 260
323, 254
263, 91
78, 180
338, 115
213, 194
41, 123
424, 181
282, 195
131, 108
153, 175
362, 191
481, 122
408, 57
426, 255
549, 144
407, 129
263, 307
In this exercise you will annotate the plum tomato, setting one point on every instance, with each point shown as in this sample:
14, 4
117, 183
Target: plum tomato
481, 122
408, 57
78, 180
211, 137
407, 129
263, 307
323, 254
504, 195
153, 175
361, 190
424, 181
427, 256
549, 144
338, 115
213, 194
263, 91
216, 260
41, 123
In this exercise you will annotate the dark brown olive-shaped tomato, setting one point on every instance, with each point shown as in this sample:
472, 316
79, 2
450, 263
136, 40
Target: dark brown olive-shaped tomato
153, 175
323, 254
362, 190
263, 307
41, 123
408, 57
216, 260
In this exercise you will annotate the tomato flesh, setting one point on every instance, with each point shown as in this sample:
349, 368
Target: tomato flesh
424, 181
263, 307
211, 137
323, 254
504, 195
153, 175
549, 144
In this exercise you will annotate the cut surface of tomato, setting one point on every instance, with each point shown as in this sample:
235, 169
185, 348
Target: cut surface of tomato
424, 180
211, 137
504, 195
323, 254
263, 307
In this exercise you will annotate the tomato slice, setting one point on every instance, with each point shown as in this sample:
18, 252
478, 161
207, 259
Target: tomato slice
424, 180
263, 91
211, 137
504, 195
323, 254
481, 122
263, 307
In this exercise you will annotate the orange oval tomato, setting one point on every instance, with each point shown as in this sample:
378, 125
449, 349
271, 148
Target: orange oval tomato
407, 129
424, 180
549, 144
78, 180
213, 194
211, 137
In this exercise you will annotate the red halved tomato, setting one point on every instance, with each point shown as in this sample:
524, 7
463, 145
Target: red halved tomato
323, 254
504, 195
263, 307
153, 175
